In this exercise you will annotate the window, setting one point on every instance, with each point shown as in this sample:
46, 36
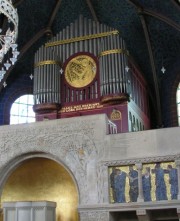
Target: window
178, 103
22, 110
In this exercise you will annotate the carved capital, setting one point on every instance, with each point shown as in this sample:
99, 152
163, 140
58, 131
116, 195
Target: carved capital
139, 166
177, 162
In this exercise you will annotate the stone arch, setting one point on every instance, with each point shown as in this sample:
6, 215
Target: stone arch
72, 145
17, 161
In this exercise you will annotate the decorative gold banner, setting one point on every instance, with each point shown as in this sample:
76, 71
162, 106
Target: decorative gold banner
114, 51
41, 63
81, 38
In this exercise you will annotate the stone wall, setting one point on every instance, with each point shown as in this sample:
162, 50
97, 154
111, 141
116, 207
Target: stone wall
85, 149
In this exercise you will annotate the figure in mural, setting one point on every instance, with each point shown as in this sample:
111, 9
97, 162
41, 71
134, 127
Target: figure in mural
133, 184
173, 181
119, 183
146, 182
161, 193
112, 179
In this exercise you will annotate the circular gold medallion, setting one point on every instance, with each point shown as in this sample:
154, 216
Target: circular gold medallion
80, 71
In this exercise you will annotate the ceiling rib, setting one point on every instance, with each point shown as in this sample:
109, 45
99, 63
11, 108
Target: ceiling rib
135, 3
17, 2
162, 18
53, 15
140, 11
176, 4
92, 10
156, 86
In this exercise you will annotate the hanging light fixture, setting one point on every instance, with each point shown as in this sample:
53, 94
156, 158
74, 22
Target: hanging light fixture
8, 37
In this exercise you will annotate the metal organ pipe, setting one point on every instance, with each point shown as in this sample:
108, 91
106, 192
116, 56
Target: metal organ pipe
116, 66
46, 77
76, 35
113, 60
122, 68
85, 33
119, 65
80, 33
109, 68
90, 41
64, 45
71, 36
67, 46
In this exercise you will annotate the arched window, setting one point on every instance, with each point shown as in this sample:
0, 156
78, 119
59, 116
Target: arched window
178, 103
22, 110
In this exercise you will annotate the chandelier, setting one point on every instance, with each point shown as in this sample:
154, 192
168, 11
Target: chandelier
8, 46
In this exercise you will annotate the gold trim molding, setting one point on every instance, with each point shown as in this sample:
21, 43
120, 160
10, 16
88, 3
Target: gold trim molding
81, 38
114, 51
47, 62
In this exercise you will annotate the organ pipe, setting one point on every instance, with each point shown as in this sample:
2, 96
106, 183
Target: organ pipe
46, 76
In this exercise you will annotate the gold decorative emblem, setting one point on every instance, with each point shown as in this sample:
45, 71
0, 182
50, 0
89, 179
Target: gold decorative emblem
115, 115
80, 71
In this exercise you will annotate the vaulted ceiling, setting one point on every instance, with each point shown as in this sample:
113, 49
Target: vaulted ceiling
151, 30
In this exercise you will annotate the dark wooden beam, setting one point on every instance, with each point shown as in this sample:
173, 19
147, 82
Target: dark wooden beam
135, 3
176, 4
92, 10
155, 79
53, 15
162, 18
17, 2
155, 102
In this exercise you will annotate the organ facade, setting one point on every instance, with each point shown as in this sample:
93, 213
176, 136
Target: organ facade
86, 69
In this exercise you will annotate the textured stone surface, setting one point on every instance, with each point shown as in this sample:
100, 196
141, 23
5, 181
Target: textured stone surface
83, 147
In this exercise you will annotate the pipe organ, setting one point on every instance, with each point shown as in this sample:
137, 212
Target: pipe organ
46, 88
84, 70
112, 61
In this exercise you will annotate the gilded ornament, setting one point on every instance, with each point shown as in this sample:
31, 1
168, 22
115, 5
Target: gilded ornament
80, 71
114, 51
81, 38
47, 62
115, 115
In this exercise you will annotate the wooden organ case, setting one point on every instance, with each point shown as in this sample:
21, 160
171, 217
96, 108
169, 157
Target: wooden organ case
85, 70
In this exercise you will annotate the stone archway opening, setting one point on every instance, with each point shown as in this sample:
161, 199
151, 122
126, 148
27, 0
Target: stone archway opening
42, 179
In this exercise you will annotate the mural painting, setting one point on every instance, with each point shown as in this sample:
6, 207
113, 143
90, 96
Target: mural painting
159, 182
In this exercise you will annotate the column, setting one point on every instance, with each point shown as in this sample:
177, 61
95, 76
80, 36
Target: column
140, 187
178, 171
